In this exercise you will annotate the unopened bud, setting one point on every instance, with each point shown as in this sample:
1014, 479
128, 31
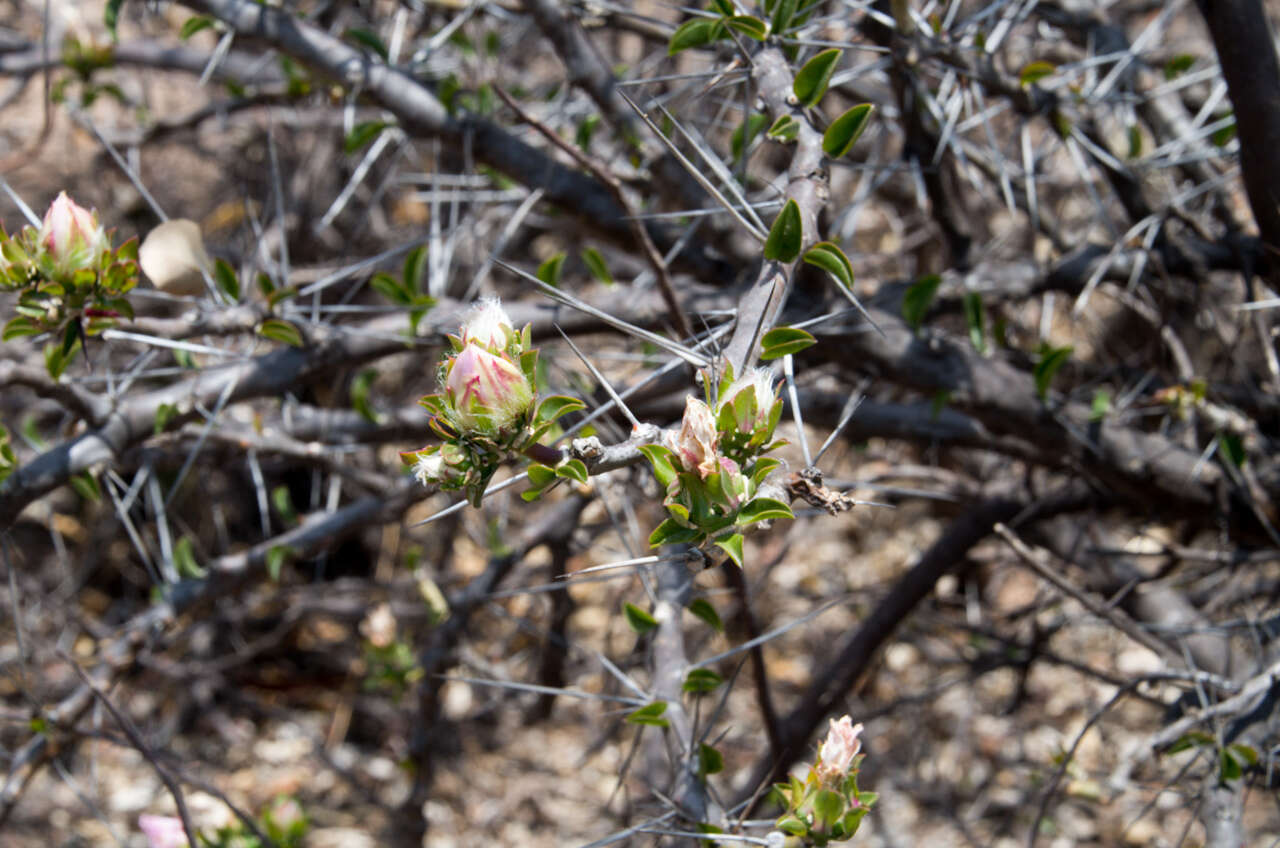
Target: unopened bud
486, 392
72, 235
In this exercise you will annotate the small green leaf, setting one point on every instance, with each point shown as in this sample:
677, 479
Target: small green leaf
368, 39
650, 714
362, 134
360, 394
781, 341
917, 299
540, 476
700, 681
1135, 142
844, 130
1051, 360
710, 761
749, 26
763, 509
829, 257
549, 271
553, 407
792, 825
283, 502
165, 413
1229, 766
193, 25
1222, 137
596, 264
1101, 405
225, 276
975, 315
641, 622
693, 33
276, 556
1033, 72
731, 545
1178, 64
415, 265
671, 532
746, 133
724, 7
783, 12
86, 487
390, 288
572, 469
18, 327
828, 806
1231, 448
184, 559
111, 17
785, 236
660, 457
785, 129
812, 80
703, 609
280, 331
1187, 741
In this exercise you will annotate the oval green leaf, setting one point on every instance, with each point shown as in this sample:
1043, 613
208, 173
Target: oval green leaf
1033, 72
280, 331
781, 341
812, 80
829, 257
639, 620
844, 130
785, 236
748, 26
764, 509
694, 33
918, 297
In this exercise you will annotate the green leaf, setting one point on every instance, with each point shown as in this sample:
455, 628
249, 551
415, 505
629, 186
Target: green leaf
917, 299
844, 130
1101, 405
184, 559
18, 327
700, 681
781, 341
1231, 448
1244, 752
360, 394
225, 276
1033, 72
639, 620
671, 532
812, 80
553, 407
785, 129
724, 7
193, 25
650, 714
283, 502
785, 236
415, 264
390, 288
596, 264
280, 331
1187, 741
368, 39
549, 271
660, 457
792, 825
1051, 360
763, 509
746, 133
828, 806
749, 26
731, 545
540, 476
86, 487
1229, 766
111, 17
276, 557
703, 609
975, 315
572, 469
783, 12
362, 134
1222, 137
693, 33
165, 413
1178, 64
1135, 142
710, 760
829, 257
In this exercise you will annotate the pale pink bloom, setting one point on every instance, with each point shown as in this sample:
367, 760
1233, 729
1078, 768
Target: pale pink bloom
487, 392
758, 381
488, 325
842, 744
72, 235
695, 444
163, 831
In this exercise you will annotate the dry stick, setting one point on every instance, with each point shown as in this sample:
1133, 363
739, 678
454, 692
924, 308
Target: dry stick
1038, 560
759, 671
638, 229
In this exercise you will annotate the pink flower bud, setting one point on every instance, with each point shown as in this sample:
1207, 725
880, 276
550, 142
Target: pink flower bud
487, 392
695, 444
72, 235
163, 831
488, 326
835, 757
759, 383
